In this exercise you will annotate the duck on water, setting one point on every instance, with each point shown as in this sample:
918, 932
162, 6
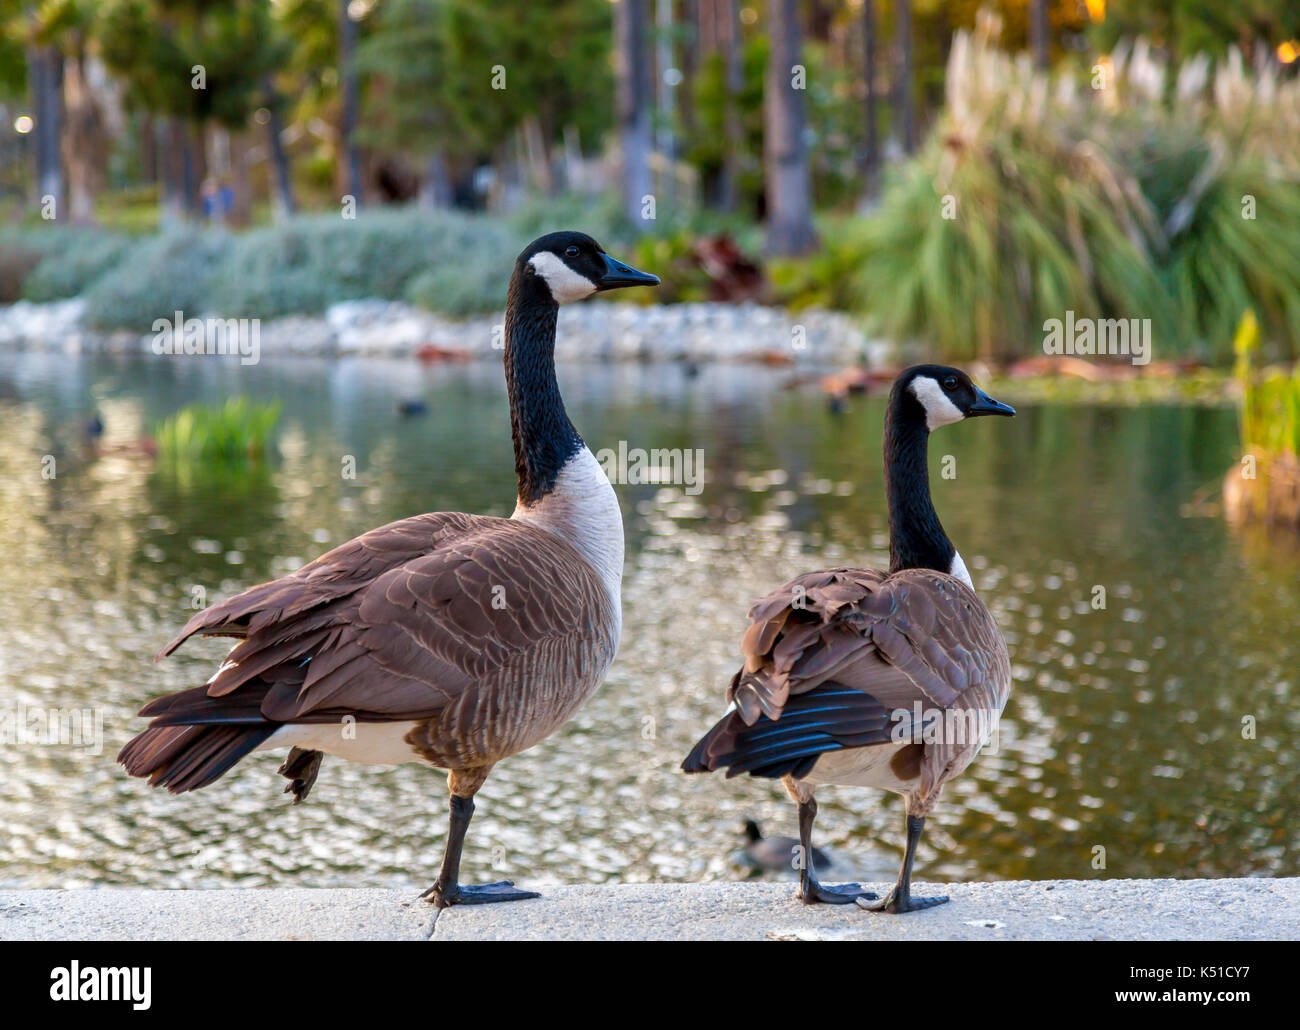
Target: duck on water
857, 677
449, 639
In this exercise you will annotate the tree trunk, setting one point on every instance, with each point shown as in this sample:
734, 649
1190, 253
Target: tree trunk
435, 185
351, 102
665, 144
788, 181
903, 90
192, 167
242, 212
1038, 31
734, 71
148, 139
45, 75
85, 154
871, 148
537, 156
171, 160
634, 99
283, 204
692, 19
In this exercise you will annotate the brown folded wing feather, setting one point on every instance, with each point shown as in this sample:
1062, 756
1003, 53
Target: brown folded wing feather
914, 637
479, 625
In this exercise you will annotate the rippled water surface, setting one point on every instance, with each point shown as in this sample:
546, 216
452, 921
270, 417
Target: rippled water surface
1161, 728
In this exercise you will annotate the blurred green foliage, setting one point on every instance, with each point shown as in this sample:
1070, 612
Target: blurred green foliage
236, 432
1174, 198
1270, 402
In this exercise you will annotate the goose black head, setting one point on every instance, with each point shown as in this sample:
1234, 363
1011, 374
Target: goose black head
573, 266
937, 395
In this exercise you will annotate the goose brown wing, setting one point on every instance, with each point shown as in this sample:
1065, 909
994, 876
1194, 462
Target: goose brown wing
334, 575
841, 658
915, 635
405, 621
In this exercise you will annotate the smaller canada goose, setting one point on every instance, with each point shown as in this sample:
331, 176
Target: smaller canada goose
776, 853
863, 678
448, 639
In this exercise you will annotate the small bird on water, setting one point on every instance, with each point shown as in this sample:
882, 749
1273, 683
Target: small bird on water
776, 854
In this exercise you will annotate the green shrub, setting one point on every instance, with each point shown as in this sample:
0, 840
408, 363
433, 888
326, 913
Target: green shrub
600, 218
21, 252
157, 277
314, 261
1270, 402
475, 285
237, 431
80, 258
1036, 194
825, 278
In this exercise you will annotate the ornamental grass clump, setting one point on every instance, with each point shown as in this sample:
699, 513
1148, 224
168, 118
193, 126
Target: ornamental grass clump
1141, 192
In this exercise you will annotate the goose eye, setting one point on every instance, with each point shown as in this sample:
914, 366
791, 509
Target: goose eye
950, 383
571, 251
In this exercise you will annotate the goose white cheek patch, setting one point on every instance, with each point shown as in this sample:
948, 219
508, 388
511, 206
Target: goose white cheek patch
566, 284
939, 410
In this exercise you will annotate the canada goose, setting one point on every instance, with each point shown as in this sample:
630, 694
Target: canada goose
776, 853
863, 678
449, 639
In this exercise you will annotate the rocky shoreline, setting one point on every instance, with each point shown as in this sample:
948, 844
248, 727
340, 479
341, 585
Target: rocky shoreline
602, 331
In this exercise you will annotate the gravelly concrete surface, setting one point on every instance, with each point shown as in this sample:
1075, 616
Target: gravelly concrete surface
287, 914
1019, 910
1040, 910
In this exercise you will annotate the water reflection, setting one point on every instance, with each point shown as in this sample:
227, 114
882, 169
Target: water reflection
1125, 729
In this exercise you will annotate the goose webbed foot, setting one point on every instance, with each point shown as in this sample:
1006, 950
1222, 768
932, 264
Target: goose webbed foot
810, 890
300, 767
447, 890
834, 894
896, 903
445, 896
900, 900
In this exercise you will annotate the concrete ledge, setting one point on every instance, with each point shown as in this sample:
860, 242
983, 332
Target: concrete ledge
1253, 909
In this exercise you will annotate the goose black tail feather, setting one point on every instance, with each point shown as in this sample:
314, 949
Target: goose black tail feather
828, 718
183, 758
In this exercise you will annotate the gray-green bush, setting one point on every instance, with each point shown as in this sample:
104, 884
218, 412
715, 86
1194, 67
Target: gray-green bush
314, 261
74, 260
157, 277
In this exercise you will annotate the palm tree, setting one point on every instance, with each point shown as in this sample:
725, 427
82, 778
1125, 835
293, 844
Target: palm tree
284, 203
634, 100
903, 89
871, 150
45, 75
1038, 31
351, 101
788, 182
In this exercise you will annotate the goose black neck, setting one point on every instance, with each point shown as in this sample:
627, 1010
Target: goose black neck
544, 438
916, 537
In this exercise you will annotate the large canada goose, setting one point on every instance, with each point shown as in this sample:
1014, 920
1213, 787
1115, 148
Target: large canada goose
449, 639
871, 679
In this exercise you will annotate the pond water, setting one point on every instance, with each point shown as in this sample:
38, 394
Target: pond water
1161, 728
